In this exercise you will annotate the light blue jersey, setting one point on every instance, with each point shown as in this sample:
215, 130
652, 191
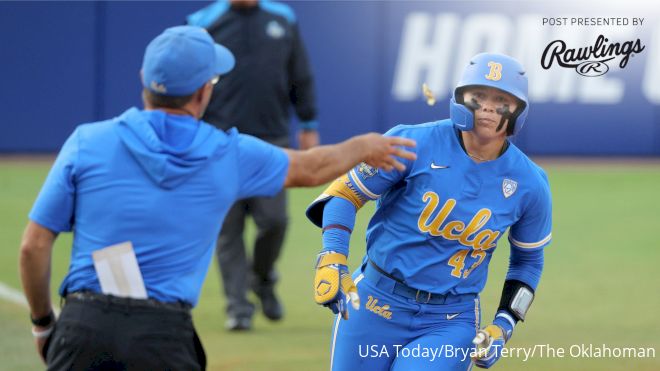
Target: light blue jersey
163, 182
437, 224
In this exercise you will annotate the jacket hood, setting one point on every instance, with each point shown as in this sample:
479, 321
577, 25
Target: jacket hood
170, 161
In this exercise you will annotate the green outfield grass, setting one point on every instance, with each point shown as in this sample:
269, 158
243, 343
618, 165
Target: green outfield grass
600, 284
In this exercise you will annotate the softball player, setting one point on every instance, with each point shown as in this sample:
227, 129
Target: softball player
433, 234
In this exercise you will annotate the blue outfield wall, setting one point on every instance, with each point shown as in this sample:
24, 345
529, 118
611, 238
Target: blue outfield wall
65, 63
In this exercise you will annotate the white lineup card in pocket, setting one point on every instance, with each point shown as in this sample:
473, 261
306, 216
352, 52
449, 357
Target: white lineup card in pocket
118, 271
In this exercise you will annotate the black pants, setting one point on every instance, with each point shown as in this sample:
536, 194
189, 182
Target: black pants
270, 217
109, 333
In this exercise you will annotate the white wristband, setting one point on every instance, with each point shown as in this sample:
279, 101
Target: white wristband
42, 334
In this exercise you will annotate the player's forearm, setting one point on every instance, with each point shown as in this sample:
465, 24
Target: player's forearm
322, 164
34, 265
338, 224
526, 266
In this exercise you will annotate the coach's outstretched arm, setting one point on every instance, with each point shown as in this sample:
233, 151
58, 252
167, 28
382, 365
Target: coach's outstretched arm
322, 164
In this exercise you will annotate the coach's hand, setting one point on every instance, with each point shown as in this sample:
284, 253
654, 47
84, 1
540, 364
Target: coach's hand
490, 341
41, 336
383, 151
333, 285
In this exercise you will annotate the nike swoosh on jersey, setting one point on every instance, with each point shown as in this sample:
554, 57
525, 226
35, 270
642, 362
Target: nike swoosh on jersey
434, 166
452, 316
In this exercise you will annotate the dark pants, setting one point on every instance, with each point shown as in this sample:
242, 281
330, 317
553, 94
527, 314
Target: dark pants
109, 333
237, 273
270, 217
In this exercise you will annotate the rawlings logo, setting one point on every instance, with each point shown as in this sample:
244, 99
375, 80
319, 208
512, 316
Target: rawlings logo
592, 60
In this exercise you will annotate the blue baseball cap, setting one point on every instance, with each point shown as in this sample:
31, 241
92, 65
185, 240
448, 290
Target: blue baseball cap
182, 59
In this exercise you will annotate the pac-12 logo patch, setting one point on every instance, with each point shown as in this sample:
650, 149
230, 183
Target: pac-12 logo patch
509, 187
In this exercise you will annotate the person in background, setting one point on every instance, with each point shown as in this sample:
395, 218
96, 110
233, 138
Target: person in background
272, 76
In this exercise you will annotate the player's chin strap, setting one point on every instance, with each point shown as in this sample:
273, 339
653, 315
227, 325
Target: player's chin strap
517, 297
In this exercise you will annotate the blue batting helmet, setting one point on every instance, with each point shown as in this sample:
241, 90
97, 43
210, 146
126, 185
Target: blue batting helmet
497, 71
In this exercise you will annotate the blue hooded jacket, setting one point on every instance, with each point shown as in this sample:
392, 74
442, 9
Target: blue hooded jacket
164, 182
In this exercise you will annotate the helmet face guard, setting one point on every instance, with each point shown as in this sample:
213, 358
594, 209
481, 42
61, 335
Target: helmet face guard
496, 71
